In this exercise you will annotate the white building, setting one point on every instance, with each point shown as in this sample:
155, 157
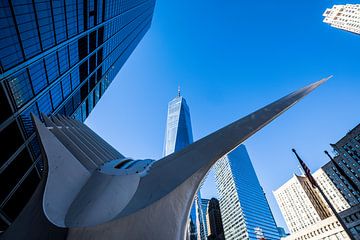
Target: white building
305, 210
330, 190
300, 205
346, 17
326, 229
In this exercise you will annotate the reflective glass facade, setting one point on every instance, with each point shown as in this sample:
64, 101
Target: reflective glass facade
178, 135
244, 209
56, 57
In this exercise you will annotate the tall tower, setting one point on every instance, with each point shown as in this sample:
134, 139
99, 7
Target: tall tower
55, 57
204, 208
245, 211
178, 135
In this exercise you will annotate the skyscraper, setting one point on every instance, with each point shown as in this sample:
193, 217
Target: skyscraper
244, 209
56, 57
344, 168
346, 17
215, 229
204, 208
178, 134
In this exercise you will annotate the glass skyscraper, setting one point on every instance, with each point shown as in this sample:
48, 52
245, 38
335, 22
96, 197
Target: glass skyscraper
244, 209
56, 57
178, 135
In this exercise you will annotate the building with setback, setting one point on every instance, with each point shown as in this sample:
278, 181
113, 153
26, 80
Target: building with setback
244, 209
345, 17
56, 57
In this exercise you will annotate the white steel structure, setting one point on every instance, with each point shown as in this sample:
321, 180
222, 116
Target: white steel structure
346, 17
90, 191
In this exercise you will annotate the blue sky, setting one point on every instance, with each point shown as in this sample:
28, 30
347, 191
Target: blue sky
230, 58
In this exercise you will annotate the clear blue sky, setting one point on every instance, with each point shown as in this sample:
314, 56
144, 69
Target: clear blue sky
232, 57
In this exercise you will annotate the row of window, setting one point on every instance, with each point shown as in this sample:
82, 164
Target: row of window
41, 24
49, 101
38, 78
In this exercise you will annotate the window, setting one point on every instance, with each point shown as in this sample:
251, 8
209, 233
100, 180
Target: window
75, 80
38, 76
26, 120
92, 41
20, 88
44, 104
71, 17
12, 140
22, 195
74, 55
25, 18
43, 10
63, 54
66, 86
56, 95
83, 47
52, 67
4, 106
9, 43
59, 20
14, 172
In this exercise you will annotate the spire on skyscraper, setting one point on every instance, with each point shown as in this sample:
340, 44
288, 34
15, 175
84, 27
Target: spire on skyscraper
179, 90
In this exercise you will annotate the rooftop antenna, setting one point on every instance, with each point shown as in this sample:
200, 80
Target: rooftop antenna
179, 90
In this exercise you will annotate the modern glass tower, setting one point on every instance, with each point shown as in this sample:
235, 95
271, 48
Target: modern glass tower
56, 57
204, 208
178, 135
244, 209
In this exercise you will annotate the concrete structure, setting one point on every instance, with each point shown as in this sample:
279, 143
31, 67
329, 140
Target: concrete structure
345, 17
325, 229
56, 57
178, 135
244, 209
91, 191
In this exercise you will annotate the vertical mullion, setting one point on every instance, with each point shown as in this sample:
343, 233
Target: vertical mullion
53, 21
66, 23
37, 24
16, 28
